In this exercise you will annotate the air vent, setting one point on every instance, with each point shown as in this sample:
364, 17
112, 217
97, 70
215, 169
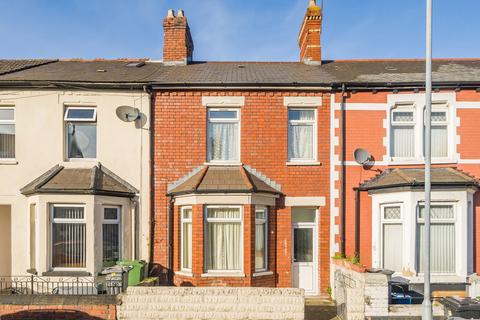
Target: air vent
136, 64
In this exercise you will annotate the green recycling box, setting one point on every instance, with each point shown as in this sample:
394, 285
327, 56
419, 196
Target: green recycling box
137, 273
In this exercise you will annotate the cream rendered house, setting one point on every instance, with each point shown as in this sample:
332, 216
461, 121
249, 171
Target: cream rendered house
74, 177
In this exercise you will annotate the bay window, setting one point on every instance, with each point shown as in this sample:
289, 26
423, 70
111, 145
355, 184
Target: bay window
403, 132
186, 238
223, 238
223, 137
302, 139
261, 239
442, 242
111, 236
81, 133
392, 237
68, 236
7, 133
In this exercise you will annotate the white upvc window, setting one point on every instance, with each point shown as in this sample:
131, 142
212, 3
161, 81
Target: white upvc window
223, 135
68, 237
442, 238
223, 239
302, 135
111, 235
402, 134
392, 237
439, 135
7, 133
186, 239
80, 133
261, 239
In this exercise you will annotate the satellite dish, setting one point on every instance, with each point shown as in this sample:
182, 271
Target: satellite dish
362, 156
127, 113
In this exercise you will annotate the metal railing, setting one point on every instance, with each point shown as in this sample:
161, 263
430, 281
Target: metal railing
44, 285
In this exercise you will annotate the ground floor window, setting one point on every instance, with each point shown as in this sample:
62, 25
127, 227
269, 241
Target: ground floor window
223, 238
442, 238
261, 235
68, 238
186, 255
392, 237
111, 236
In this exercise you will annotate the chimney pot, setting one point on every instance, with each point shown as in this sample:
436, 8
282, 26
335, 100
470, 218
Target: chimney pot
171, 13
180, 13
313, 3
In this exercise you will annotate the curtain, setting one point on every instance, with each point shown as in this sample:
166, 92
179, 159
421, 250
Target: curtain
260, 231
301, 141
7, 141
187, 246
439, 141
403, 141
392, 246
223, 141
223, 240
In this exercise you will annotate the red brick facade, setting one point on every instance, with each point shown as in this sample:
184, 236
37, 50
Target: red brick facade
309, 38
178, 44
180, 128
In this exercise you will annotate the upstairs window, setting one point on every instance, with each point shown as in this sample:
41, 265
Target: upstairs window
302, 140
223, 138
7, 133
81, 133
403, 132
439, 134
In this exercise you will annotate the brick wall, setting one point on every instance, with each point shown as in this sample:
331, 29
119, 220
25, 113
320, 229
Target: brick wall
180, 146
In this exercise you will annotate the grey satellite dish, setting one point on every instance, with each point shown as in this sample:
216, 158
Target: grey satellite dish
127, 113
362, 156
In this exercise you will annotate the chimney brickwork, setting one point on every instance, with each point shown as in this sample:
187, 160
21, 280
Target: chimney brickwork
309, 38
178, 43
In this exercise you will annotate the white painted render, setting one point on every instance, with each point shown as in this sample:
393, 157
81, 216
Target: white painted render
224, 198
305, 201
122, 147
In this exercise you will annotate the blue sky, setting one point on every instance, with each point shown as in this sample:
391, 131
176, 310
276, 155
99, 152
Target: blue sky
250, 30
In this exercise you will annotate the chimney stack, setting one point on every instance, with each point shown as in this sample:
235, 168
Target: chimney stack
177, 41
309, 38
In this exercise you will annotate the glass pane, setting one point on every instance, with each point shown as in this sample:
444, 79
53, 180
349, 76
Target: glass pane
223, 213
439, 141
68, 245
82, 140
439, 116
68, 213
260, 214
223, 246
442, 247
403, 142
187, 246
438, 212
223, 114
223, 141
402, 116
303, 215
110, 214
260, 235
7, 114
303, 245
187, 213
87, 114
301, 114
301, 141
392, 246
111, 244
7, 141
392, 213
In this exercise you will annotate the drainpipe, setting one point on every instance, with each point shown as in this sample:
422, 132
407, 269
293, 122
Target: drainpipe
357, 223
343, 173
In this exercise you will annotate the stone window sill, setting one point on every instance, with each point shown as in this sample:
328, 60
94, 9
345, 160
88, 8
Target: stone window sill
223, 275
8, 162
184, 273
298, 163
66, 274
262, 274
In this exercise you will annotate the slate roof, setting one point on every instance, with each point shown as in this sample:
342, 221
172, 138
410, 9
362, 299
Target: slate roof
409, 178
222, 179
96, 180
360, 72
9, 66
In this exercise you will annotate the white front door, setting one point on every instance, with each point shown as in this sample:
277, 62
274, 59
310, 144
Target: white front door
304, 258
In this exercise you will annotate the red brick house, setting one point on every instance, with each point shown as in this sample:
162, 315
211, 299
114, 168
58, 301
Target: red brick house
254, 176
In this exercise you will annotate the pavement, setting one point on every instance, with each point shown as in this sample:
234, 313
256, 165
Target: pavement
320, 308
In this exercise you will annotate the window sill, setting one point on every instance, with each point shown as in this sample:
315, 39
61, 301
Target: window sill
66, 274
298, 163
184, 273
223, 275
8, 162
223, 163
262, 273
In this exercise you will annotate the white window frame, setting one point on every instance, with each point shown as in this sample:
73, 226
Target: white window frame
384, 221
439, 107
260, 222
406, 107
67, 120
10, 122
184, 220
205, 244
77, 221
313, 122
453, 221
224, 120
118, 222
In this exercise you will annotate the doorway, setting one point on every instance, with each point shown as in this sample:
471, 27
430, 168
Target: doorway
5, 241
